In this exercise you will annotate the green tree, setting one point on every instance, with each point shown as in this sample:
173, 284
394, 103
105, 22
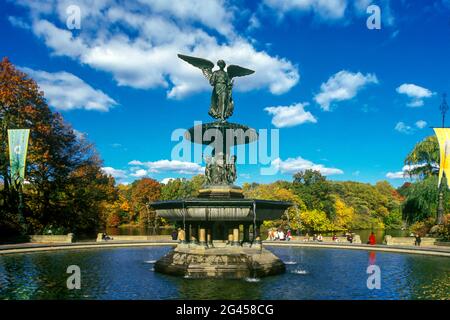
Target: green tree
424, 158
182, 188
315, 191
278, 191
422, 199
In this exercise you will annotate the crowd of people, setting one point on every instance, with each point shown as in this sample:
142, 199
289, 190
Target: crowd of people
274, 234
278, 234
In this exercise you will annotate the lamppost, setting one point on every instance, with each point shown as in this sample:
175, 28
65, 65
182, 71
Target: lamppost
443, 108
440, 209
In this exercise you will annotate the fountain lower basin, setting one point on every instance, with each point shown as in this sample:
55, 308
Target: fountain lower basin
220, 238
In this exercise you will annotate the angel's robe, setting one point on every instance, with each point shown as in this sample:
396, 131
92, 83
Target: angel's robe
221, 100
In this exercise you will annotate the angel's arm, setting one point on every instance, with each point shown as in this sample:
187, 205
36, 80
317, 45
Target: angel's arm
211, 78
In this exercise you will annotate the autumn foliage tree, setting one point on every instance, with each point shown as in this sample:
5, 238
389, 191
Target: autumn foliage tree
65, 185
145, 191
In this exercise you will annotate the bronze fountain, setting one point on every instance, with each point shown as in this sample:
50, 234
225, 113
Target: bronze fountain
220, 230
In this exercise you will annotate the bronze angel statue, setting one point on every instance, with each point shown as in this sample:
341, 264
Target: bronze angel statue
221, 99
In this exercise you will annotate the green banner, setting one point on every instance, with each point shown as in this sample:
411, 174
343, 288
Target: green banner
18, 145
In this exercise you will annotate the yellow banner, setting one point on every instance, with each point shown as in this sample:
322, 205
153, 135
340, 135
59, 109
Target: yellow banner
443, 136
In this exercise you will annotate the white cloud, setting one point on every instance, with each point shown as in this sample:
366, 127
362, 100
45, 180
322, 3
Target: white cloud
139, 173
79, 135
167, 180
421, 124
405, 173
289, 116
211, 13
65, 91
361, 6
326, 9
403, 128
182, 167
415, 92
396, 175
140, 51
294, 165
253, 22
18, 22
116, 173
344, 85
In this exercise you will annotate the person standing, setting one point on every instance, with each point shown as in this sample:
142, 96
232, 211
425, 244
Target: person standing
181, 236
418, 240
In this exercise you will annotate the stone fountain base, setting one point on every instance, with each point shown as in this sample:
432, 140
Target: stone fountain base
224, 263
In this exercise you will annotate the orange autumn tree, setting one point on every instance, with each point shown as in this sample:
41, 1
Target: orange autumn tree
65, 184
143, 192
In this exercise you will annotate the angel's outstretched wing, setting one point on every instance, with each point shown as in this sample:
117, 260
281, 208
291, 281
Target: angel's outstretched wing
203, 64
237, 71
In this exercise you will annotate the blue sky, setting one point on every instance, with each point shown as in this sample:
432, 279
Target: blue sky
347, 100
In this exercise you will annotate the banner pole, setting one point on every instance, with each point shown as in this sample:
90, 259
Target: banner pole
20, 209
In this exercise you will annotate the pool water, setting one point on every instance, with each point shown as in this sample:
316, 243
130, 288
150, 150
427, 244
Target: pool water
312, 273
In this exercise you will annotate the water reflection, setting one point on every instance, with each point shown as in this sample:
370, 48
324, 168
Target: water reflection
126, 273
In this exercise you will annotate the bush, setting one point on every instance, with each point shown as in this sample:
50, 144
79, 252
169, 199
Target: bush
422, 227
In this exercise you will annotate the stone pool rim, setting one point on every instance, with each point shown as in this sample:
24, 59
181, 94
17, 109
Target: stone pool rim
35, 248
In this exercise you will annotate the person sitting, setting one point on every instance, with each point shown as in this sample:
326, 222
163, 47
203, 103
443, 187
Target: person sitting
281, 235
320, 238
275, 234
315, 237
372, 240
175, 234
105, 236
335, 238
288, 235
350, 238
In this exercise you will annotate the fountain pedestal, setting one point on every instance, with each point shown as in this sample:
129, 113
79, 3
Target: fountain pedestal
225, 263
222, 238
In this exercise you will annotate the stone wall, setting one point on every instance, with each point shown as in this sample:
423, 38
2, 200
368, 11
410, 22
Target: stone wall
407, 241
443, 243
356, 239
136, 238
69, 238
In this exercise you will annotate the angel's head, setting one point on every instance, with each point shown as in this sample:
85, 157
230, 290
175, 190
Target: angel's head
221, 64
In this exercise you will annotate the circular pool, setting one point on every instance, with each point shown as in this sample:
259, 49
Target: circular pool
312, 273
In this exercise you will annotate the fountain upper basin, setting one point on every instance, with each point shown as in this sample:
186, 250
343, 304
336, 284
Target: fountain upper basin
220, 209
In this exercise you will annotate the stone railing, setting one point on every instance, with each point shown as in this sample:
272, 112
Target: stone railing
407, 241
135, 238
69, 238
